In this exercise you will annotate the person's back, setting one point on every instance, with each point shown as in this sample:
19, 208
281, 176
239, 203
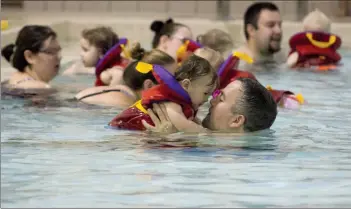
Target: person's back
134, 82
182, 94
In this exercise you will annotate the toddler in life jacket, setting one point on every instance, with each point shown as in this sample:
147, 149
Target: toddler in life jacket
315, 46
182, 94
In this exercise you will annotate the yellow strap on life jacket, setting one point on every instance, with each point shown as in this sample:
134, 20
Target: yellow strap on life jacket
143, 67
182, 49
321, 44
139, 106
126, 52
243, 56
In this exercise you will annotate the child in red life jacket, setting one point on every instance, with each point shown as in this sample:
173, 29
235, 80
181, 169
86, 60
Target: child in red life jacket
315, 47
102, 49
183, 94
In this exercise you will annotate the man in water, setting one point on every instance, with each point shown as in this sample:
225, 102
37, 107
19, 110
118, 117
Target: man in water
263, 33
244, 105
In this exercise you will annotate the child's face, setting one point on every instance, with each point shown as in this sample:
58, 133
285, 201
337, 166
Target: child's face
199, 90
89, 54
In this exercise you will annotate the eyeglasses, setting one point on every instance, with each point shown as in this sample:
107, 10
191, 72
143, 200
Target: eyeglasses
52, 52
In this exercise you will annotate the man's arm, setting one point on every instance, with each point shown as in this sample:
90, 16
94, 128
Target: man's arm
163, 124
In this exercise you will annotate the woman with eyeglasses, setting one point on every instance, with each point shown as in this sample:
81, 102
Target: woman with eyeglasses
170, 36
36, 55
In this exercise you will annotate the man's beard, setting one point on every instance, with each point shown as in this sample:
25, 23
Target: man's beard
272, 50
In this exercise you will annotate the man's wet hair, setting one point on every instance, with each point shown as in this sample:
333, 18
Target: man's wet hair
256, 104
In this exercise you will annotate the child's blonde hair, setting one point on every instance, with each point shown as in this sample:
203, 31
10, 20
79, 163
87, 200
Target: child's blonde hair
101, 37
217, 40
316, 20
213, 57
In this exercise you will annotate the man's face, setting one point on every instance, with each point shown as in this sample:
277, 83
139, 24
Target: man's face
220, 116
269, 32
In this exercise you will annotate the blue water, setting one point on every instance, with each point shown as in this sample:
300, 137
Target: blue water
61, 154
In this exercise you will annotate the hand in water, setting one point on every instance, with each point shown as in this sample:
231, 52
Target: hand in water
160, 119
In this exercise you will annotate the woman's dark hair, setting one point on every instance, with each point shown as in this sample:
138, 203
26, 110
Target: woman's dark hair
167, 28
134, 79
30, 37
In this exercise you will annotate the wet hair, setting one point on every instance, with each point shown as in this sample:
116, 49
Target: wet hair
195, 67
252, 14
161, 28
101, 37
256, 104
154, 56
217, 40
213, 57
30, 37
134, 79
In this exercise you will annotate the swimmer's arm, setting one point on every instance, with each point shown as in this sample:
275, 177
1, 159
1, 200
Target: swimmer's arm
78, 68
180, 122
106, 77
292, 59
117, 75
112, 76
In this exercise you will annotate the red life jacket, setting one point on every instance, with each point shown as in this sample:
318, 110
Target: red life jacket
131, 118
111, 59
228, 72
315, 48
278, 94
188, 48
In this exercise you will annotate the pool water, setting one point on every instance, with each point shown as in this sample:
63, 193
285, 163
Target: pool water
60, 153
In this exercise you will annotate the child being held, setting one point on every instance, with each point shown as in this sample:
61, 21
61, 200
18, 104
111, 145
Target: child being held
182, 94
315, 45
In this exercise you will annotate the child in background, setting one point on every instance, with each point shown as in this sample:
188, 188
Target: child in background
217, 40
315, 46
95, 43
